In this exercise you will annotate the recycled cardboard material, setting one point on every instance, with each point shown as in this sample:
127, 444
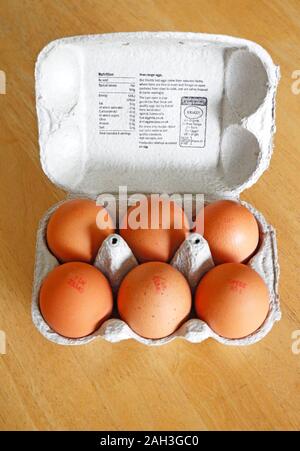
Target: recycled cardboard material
156, 112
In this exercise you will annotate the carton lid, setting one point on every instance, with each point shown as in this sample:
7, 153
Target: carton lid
156, 112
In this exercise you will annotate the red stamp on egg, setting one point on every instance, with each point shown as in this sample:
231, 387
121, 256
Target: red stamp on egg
159, 283
77, 282
237, 285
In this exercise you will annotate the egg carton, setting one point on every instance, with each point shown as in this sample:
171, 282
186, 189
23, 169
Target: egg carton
193, 259
93, 94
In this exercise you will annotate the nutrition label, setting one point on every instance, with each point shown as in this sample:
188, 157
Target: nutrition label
156, 110
116, 103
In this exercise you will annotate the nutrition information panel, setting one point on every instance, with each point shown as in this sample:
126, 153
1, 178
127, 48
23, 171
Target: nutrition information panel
116, 104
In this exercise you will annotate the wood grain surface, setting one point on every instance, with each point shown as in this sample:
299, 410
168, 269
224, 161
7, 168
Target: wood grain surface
128, 386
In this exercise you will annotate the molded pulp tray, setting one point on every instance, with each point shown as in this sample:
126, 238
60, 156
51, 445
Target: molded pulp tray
119, 110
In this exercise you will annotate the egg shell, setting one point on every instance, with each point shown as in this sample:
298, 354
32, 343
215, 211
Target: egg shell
76, 230
156, 244
75, 298
154, 299
231, 230
233, 299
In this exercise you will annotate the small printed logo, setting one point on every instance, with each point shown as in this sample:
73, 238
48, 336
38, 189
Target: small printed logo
237, 285
77, 282
295, 342
296, 84
2, 342
193, 112
2, 82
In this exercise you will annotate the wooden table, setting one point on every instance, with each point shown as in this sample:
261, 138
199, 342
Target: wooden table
130, 386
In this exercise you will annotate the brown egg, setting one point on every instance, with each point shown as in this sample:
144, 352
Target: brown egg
154, 299
233, 300
156, 243
77, 229
75, 298
231, 231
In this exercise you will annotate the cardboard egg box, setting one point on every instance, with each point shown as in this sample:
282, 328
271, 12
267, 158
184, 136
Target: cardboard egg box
158, 113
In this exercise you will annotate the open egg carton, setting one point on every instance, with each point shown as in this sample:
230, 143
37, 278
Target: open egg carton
119, 110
